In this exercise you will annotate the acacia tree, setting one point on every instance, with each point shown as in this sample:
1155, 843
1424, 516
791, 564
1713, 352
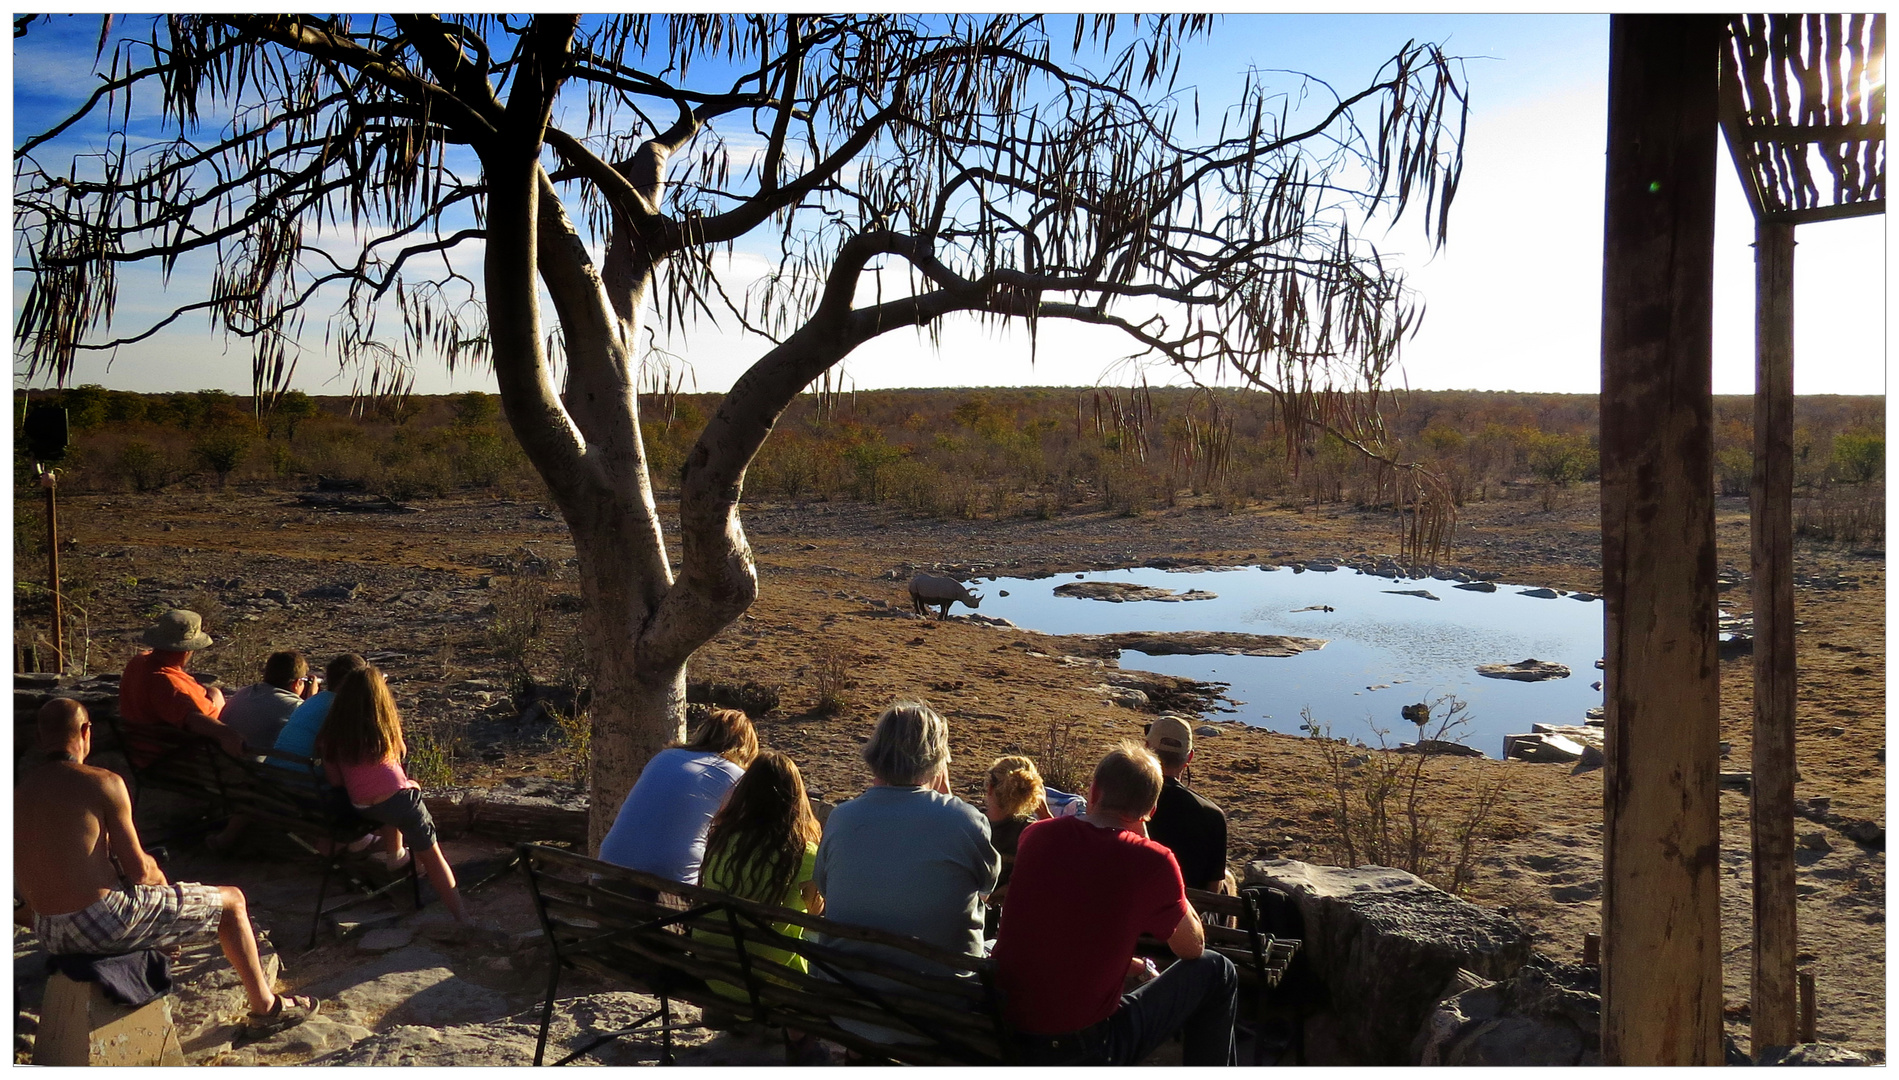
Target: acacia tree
903, 169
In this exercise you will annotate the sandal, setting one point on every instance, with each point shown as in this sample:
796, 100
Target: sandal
288, 1011
384, 860
362, 844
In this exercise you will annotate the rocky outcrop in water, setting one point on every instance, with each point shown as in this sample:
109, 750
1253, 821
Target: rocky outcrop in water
1531, 670
1191, 643
1125, 592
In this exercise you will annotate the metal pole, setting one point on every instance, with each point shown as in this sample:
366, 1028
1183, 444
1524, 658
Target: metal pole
1776, 929
1661, 904
50, 481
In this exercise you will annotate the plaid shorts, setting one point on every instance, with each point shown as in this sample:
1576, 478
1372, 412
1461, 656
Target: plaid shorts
133, 919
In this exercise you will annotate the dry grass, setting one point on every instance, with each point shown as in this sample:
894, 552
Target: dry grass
1386, 810
831, 665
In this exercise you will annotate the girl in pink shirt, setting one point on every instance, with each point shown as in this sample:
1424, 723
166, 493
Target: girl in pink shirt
362, 749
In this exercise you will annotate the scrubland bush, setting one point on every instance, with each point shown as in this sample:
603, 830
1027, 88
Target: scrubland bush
958, 454
1843, 514
831, 666
145, 467
222, 449
1859, 456
1388, 808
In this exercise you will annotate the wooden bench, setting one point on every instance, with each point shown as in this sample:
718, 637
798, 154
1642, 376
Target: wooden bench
1235, 930
637, 927
278, 791
287, 793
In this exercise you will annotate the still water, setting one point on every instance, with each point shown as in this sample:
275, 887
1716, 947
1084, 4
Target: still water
1383, 651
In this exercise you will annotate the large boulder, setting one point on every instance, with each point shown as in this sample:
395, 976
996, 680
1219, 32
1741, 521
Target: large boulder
1385, 945
1549, 1013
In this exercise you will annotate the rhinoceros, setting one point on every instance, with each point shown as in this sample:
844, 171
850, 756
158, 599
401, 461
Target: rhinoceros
928, 589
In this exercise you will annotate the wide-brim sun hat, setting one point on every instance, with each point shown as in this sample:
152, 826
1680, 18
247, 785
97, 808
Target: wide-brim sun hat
177, 630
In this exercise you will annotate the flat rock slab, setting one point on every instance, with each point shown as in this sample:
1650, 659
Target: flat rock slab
510, 1040
1123, 592
293, 1046
1386, 944
1477, 586
412, 985
1541, 747
386, 939
1425, 593
1531, 670
1194, 643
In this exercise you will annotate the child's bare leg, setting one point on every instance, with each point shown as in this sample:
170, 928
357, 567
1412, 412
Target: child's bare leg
391, 841
435, 868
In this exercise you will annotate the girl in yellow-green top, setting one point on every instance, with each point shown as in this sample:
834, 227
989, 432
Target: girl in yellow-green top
762, 846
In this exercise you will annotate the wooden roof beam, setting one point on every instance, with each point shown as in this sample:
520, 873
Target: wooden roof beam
1794, 134
1811, 214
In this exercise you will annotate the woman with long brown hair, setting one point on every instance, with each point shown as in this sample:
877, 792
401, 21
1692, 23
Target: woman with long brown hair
661, 827
362, 750
763, 846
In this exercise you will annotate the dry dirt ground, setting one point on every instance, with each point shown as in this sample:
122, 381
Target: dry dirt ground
831, 576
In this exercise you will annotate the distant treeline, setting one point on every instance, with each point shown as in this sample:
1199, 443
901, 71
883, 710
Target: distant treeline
946, 453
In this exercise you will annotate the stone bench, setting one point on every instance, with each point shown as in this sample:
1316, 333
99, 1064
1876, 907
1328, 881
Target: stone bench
80, 1026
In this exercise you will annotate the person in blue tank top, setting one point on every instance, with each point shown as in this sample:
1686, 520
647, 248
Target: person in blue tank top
661, 828
300, 731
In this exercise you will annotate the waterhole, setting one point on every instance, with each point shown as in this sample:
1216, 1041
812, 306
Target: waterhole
1384, 649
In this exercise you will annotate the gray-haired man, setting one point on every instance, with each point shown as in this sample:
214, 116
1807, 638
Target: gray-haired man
906, 856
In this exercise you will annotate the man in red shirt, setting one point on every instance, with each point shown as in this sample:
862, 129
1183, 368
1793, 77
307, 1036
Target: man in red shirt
1084, 889
156, 689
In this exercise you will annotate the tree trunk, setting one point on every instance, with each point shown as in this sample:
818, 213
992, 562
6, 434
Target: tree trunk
638, 707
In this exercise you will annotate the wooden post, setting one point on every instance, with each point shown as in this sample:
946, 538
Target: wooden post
1776, 934
1661, 928
1809, 1009
50, 481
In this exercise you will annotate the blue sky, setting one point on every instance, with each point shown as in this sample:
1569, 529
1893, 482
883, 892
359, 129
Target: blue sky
1512, 301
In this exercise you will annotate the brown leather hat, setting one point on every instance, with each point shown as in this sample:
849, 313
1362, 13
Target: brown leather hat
178, 630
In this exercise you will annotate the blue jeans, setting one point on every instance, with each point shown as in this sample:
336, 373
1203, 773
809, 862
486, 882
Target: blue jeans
1197, 998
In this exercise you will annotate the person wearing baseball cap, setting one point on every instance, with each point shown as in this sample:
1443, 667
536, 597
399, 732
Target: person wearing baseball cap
156, 690
1184, 822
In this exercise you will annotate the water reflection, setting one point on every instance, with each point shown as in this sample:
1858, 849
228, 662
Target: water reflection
1384, 650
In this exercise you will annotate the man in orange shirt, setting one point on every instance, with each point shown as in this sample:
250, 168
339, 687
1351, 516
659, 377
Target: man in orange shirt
157, 690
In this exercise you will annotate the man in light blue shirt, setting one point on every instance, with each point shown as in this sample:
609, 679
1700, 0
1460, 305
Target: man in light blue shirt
300, 731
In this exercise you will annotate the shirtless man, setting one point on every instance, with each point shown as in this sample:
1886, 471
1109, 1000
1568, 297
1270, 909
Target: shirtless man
90, 888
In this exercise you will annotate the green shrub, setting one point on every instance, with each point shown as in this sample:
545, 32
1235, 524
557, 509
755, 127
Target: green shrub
222, 450
1859, 456
145, 467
